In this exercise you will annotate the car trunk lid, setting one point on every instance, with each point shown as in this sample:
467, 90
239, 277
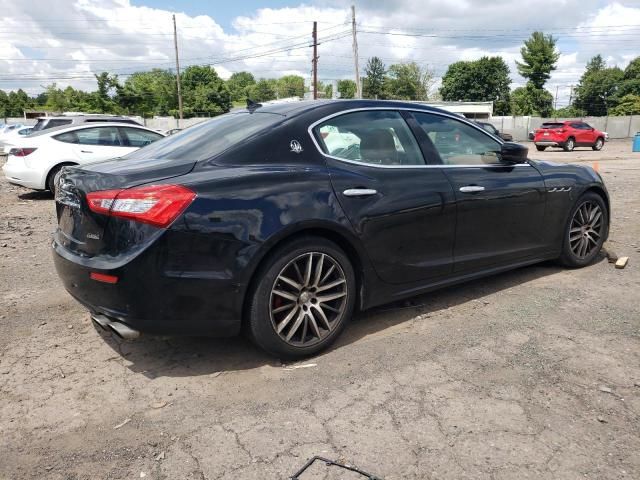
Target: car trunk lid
82, 231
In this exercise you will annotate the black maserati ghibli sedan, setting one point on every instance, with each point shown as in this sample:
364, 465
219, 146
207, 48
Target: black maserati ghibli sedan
281, 220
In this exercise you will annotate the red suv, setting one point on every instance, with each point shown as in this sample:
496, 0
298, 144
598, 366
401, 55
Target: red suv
568, 135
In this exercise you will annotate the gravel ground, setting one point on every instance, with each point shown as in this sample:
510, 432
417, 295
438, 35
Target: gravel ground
530, 374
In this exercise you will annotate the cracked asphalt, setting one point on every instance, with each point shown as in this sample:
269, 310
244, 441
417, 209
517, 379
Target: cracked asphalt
530, 374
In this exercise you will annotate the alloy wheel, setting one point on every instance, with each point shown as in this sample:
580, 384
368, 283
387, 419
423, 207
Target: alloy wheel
586, 229
308, 299
570, 145
598, 144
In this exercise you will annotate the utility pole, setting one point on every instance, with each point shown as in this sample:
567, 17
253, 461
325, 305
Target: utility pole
555, 100
570, 95
355, 50
315, 60
175, 44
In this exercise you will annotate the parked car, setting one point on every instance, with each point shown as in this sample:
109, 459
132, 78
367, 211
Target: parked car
36, 159
8, 128
173, 131
507, 137
252, 221
7, 140
568, 135
45, 123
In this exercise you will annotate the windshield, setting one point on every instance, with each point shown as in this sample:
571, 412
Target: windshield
208, 139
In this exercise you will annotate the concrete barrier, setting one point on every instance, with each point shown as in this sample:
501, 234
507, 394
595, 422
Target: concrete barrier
520, 126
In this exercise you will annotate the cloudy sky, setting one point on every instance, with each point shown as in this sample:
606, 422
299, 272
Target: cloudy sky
66, 41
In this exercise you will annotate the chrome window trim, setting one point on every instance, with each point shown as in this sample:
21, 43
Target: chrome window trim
407, 109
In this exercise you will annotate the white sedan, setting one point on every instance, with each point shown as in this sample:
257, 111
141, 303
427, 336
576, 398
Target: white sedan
35, 160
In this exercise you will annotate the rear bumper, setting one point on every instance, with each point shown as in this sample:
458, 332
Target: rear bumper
148, 300
16, 172
548, 143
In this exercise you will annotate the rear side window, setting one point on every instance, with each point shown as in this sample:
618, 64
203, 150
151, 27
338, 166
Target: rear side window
208, 139
100, 136
56, 122
377, 137
135, 137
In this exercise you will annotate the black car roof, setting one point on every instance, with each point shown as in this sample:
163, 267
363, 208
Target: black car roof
304, 106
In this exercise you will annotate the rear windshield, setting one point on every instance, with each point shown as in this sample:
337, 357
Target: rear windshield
208, 139
552, 125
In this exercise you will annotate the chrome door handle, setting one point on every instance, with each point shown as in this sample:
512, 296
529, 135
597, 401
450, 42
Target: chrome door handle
359, 192
86, 151
472, 189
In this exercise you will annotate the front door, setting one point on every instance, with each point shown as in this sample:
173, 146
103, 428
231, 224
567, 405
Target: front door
500, 207
402, 210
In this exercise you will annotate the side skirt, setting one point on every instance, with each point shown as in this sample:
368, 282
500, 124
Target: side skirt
383, 293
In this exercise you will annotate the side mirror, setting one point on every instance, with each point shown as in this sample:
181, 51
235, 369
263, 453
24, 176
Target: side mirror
513, 153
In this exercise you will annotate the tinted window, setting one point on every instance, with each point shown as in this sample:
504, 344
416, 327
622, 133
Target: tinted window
490, 128
459, 143
139, 138
101, 136
552, 125
25, 131
379, 137
102, 120
56, 122
208, 139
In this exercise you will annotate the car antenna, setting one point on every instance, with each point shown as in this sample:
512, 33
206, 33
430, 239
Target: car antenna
252, 106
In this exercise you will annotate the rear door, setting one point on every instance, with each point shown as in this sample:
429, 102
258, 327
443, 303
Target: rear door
95, 143
402, 210
500, 207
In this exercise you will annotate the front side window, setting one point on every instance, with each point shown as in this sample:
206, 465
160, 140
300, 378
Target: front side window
139, 138
100, 136
459, 143
377, 137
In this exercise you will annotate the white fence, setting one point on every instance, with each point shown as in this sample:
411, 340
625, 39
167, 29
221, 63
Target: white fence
616, 127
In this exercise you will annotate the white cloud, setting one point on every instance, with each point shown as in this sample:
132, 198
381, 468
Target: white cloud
67, 41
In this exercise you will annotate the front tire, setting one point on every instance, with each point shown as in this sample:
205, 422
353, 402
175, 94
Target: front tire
585, 231
598, 145
303, 297
541, 148
569, 145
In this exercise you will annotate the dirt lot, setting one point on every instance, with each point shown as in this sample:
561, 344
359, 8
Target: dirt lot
530, 374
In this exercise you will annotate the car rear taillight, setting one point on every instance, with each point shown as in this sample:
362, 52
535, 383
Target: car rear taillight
21, 152
157, 205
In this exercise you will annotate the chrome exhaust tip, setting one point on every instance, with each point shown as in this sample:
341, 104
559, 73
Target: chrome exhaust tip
117, 328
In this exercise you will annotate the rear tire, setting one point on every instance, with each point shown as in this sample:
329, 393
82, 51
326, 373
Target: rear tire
585, 231
598, 145
569, 145
304, 313
541, 148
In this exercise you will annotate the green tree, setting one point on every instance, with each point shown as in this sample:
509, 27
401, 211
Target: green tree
4, 104
102, 100
529, 100
408, 81
628, 105
539, 58
374, 79
568, 112
290, 86
18, 102
347, 88
598, 87
483, 80
263, 91
149, 93
238, 85
204, 92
